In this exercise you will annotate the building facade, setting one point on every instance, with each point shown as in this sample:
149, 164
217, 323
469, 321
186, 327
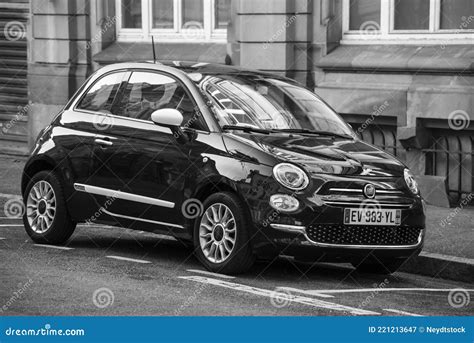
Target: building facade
400, 71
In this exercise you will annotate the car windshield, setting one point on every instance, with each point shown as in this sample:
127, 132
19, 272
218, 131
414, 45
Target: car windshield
270, 104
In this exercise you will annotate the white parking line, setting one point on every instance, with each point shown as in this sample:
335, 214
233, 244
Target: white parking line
2, 238
127, 259
11, 225
211, 273
403, 313
280, 296
302, 291
4, 195
323, 292
52, 247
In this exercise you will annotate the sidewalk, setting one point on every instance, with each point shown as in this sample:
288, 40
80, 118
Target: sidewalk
449, 243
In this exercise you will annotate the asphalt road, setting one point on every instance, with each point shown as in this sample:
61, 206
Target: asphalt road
114, 271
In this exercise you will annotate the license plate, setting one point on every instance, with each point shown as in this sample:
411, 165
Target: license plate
356, 216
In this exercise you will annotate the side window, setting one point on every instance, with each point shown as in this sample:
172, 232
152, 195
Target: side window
147, 92
100, 96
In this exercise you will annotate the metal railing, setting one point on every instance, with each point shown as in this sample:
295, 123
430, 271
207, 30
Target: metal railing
451, 155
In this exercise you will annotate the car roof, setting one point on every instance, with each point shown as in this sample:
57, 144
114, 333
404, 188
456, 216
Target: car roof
189, 67
210, 68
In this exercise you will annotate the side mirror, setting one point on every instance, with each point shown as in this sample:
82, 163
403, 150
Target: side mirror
167, 117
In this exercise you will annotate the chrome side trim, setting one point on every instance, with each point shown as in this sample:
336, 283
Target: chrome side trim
290, 228
376, 247
142, 220
122, 195
103, 142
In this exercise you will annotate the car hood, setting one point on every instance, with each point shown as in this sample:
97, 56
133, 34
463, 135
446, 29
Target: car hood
321, 154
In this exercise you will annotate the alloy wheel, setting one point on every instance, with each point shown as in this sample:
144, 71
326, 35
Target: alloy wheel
41, 206
217, 233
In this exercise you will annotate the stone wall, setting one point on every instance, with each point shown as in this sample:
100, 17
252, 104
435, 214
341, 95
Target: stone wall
273, 35
64, 37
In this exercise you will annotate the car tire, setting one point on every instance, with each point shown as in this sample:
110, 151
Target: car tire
379, 266
209, 230
44, 200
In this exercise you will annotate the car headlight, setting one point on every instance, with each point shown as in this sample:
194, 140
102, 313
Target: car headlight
410, 181
291, 176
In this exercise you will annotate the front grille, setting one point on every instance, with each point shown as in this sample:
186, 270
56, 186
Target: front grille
352, 195
363, 235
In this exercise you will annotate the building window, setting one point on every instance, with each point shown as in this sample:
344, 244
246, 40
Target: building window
364, 12
173, 20
409, 21
411, 15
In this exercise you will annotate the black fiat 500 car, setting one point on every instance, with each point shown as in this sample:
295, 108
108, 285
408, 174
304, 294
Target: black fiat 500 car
237, 163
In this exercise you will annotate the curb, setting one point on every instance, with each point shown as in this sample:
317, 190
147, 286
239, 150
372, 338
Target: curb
442, 266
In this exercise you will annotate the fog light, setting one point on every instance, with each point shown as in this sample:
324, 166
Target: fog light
284, 203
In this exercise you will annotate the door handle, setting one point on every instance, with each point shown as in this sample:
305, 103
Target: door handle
103, 142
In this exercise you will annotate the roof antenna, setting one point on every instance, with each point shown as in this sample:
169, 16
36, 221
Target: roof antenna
153, 46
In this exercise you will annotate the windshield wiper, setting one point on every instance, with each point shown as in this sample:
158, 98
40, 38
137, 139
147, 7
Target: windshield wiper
245, 129
313, 132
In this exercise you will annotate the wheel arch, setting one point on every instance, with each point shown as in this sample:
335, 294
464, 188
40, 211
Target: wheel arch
33, 167
212, 187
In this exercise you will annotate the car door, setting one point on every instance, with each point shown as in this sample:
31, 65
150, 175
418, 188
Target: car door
141, 166
76, 135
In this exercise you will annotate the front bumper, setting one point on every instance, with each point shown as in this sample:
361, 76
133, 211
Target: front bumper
289, 242
404, 237
319, 233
